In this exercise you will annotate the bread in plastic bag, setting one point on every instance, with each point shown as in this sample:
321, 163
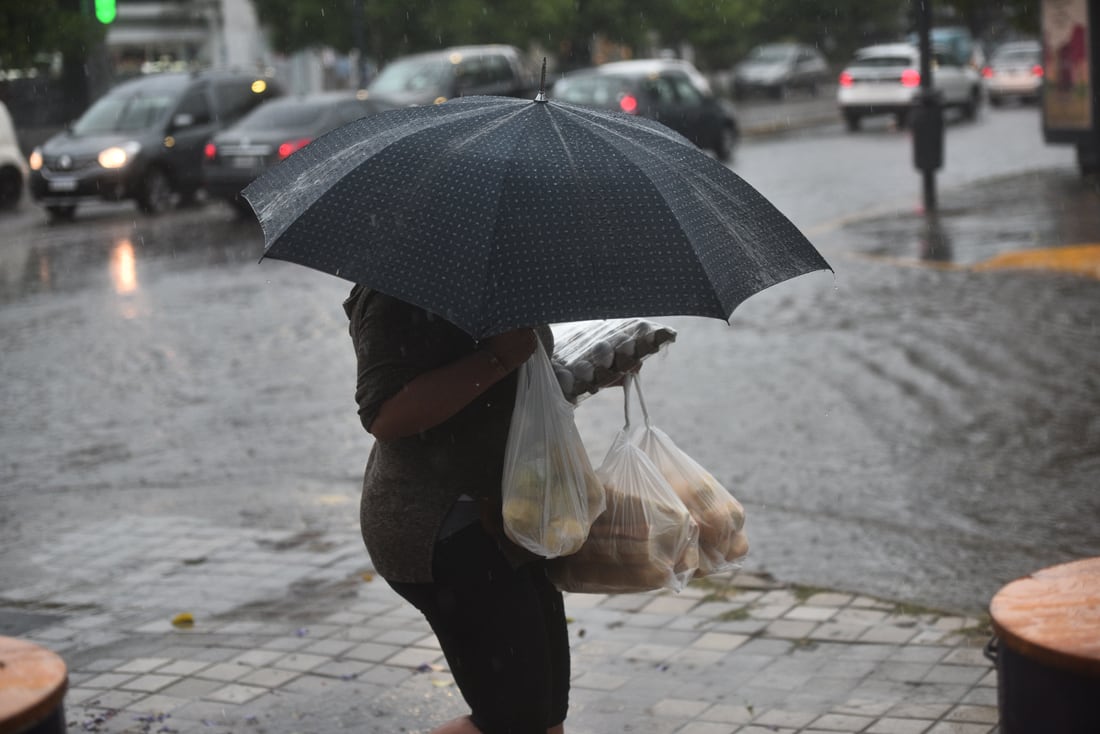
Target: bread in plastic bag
550, 492
645, 539
720, 517
589, 355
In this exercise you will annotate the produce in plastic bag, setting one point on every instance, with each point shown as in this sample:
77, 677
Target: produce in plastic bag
589, 355
721, 518
550, 492
644, 540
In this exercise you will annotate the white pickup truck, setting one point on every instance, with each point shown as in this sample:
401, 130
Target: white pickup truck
884, 80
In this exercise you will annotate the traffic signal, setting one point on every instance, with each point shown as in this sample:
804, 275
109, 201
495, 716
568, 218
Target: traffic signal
105, 11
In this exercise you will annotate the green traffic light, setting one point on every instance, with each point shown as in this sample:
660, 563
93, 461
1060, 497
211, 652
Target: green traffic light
105, 11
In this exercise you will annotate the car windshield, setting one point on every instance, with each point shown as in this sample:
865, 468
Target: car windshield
771, 54
284, 116
413, 75
878, 62
600, 91
1017, 56
123, 113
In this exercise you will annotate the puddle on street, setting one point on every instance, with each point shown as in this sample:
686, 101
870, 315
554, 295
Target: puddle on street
978, 225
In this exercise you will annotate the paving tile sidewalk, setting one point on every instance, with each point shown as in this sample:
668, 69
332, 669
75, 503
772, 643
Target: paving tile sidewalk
292, 633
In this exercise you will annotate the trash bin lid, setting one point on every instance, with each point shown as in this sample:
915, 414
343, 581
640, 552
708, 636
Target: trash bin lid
32, 684
1053, 616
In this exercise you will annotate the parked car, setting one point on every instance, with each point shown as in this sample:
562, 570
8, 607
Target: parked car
777, 68
143, 140
1015, 71
13, 169
271, 133
884, 80
459, 71
670, 91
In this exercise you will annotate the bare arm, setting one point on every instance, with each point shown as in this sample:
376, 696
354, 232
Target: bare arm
432, 397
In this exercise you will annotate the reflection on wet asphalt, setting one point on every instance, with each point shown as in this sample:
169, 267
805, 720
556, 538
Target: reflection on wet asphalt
916, 433
1013, 213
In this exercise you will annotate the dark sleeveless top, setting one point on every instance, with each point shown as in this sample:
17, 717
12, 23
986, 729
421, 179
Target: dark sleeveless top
411, 483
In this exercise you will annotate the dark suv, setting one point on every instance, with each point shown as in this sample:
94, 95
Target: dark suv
671, 91
459, 71
143, 140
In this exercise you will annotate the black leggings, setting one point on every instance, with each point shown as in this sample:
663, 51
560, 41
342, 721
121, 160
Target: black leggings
502, 630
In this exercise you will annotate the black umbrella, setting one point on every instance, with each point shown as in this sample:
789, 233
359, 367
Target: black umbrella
497, 213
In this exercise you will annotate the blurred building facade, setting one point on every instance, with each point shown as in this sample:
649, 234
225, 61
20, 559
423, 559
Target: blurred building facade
163, 35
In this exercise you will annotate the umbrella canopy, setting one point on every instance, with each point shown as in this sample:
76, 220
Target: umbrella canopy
497, 213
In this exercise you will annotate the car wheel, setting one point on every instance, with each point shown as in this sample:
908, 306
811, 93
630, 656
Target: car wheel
1088, 160
970, 106
155, 195
727, 141
851, 119
189, 196
995, 101
11, 188
60, 213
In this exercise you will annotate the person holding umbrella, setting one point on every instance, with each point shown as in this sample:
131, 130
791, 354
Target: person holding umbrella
468, 227
439, 405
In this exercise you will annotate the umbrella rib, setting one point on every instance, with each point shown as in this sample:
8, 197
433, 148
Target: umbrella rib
599, 124
487, 291
691, 178
302, 170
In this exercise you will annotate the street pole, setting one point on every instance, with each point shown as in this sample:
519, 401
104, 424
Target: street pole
360, 44
927, 111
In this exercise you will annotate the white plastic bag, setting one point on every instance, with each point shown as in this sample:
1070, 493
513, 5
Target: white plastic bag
550, 492
720, 517
589, 355
644, 540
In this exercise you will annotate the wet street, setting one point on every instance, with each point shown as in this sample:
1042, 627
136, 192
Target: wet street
919, 433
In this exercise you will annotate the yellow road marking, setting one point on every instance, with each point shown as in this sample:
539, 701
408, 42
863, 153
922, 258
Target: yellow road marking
1077, 259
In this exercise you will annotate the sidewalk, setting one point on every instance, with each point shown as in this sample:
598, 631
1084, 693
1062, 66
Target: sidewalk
294, 634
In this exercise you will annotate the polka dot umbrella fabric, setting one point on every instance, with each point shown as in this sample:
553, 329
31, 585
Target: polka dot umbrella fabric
497, 213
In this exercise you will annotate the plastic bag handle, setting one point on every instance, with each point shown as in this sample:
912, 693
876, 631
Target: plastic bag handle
637, 380
629, 379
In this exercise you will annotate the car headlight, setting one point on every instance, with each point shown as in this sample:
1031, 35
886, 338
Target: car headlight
118, 156
35, 159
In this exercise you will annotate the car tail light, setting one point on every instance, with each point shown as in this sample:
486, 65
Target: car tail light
628, 103
910, 78
210, 151
987, 72
845, 79
1037, 70
291, 146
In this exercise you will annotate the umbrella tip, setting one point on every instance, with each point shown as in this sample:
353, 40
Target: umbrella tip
541, 96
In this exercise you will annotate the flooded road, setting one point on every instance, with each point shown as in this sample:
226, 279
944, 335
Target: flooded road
919, 433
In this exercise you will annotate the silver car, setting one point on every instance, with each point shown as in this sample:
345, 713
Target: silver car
778, 68
1015, 71
885, 79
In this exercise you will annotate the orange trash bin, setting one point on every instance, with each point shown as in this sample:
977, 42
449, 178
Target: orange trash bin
1047, 650
33, 681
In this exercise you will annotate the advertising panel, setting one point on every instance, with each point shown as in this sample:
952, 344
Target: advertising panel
1067, 87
